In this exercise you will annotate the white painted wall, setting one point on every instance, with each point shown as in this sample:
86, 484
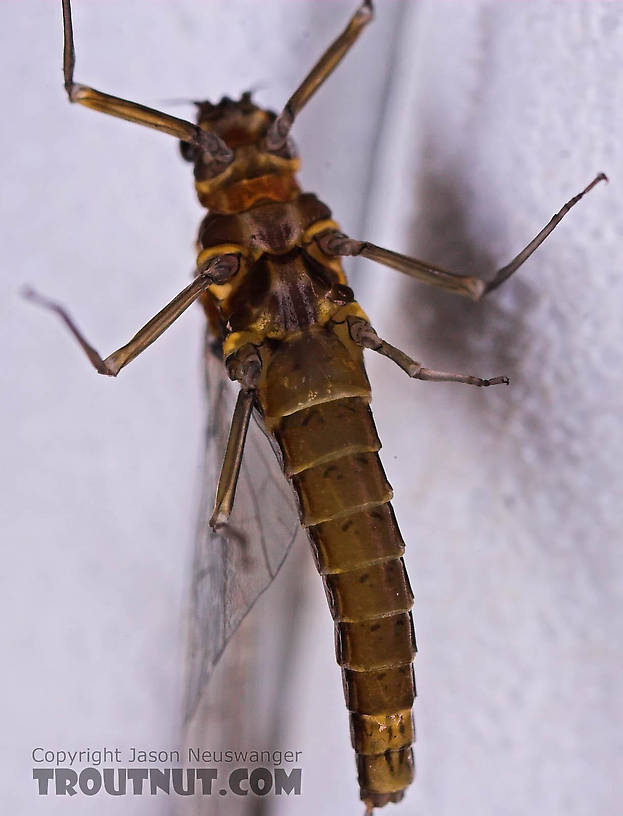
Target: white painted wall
508, 499
511, 498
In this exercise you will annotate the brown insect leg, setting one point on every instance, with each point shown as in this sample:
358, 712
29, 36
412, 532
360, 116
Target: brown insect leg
279, 130
151, 330
334, 243
506, 271
132, 111
230, 469
245, 367
364, 335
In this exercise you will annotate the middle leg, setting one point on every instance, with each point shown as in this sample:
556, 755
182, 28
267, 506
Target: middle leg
334, 243
219, 270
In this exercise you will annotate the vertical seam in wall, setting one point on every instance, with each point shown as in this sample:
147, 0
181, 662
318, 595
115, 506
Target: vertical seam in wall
379, 134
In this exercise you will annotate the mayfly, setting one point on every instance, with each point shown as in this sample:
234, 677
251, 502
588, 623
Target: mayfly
285, 328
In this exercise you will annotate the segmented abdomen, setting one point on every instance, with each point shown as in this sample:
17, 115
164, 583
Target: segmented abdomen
329, 444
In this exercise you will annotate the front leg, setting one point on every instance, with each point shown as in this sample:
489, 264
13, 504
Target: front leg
277, 135
209, 143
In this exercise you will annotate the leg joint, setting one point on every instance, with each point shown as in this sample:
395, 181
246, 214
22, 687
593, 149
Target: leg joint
363, 334
334, 243
245, 366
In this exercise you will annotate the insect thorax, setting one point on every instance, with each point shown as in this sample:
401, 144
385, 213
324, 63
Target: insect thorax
256, 173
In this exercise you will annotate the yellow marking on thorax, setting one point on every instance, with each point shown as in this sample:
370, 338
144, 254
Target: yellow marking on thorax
319, 226
223, 291
236, 340
241, 195
251, 177
312, 248
352, 309
220, 249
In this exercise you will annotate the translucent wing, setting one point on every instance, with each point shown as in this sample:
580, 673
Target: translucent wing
230, 571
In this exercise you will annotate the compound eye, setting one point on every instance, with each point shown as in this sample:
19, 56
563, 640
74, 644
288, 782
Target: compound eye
190, 152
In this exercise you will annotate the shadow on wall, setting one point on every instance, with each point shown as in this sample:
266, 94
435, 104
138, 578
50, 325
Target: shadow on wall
449, 331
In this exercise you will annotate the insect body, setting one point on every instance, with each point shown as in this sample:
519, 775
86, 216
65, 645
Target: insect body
291, 335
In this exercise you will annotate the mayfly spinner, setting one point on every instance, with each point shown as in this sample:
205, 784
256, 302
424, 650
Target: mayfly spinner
286, 328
